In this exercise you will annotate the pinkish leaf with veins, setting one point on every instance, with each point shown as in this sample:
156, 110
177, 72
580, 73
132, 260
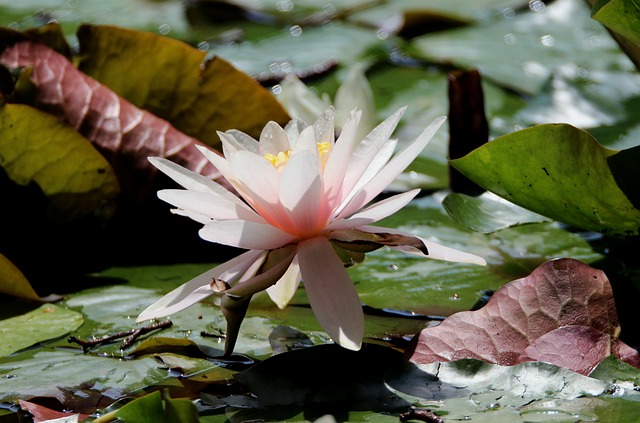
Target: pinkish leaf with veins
563, 313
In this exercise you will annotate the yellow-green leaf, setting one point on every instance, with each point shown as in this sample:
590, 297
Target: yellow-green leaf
174, 81
46, 322
13, 282
35, 147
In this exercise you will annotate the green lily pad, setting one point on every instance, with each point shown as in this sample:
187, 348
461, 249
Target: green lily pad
522, 53
47, 322
176, 83
621, 16
36, 147
561, 172
388, 279
305, 50
157, 408
488, 214
166, 17
84, 380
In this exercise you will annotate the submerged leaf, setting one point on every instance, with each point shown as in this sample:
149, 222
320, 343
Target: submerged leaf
561, 172
47, 322
562, 304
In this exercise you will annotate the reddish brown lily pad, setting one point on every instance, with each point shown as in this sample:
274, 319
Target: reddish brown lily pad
563, 313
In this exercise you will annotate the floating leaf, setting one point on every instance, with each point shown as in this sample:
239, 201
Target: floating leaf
37, 148
563, 306
13, 282
47, 322
387, 279
487, 213
561, 172
622, 16
310, 51
176, 83
155, 408
85, 382
521, 53
43, 414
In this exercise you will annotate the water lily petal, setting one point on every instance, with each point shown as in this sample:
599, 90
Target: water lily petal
331, 292
324, 128
436, 251
378, 162
233, 141
338, 160
257, 181
376, 211
299, 100
367, 149
187, 178
293, 130
266, 278
210, 205
306, 141
273, 140
200, 218
197, 288
355, 91
283, 291
395, 166
244, 141
219, 162
301, 192
245, 234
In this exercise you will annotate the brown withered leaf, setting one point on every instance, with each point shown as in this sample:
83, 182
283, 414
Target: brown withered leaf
175, 82
563, 313
124, 134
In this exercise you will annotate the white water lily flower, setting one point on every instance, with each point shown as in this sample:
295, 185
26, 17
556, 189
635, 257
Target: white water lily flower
354, 92
302, 214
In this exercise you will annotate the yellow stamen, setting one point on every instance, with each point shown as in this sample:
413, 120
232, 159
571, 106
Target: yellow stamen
278, 161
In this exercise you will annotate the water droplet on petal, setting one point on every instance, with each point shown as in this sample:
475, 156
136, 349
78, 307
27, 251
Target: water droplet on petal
164, 29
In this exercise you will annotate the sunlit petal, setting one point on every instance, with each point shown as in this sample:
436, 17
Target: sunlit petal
197, 288
331, 293
338, 160
187, 178
233, 141
273, 140
376, 211
244, 234
436, 251
209, 205
283, 291
258, 181
367, 149
395, 166
301, 191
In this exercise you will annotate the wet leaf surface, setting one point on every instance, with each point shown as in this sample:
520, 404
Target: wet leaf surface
487, 213
563, 313
563, 173
45, 323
